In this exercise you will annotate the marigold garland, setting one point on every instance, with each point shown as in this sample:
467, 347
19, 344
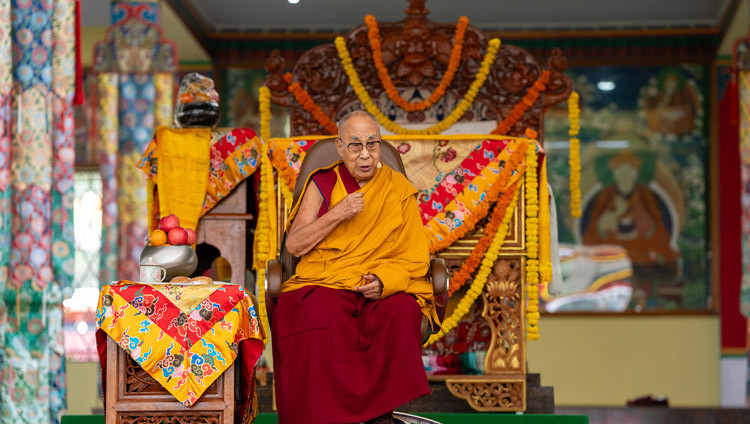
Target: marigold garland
532, 246
373, 34
264, 248
513, 164
308, 104
304, 99
288, 174
574, 160
475, 259
264, 100
488, 262
455, 115
545, 247
521, 107
286, 193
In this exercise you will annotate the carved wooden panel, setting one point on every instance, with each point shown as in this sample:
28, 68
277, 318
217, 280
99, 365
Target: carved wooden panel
503, 310
487, 394
416, 52
139, 381
171, 419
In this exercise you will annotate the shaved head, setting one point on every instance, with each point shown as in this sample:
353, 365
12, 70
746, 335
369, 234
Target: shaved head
359, 112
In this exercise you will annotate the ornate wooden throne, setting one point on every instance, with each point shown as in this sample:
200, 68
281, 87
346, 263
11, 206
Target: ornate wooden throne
416, 52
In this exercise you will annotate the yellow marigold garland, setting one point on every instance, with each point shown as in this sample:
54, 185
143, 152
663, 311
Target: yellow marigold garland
532, 245
513, 164
286, 192
574, 113
373, 34
455, 115
545, 247
488, 263
264, 246
264, 104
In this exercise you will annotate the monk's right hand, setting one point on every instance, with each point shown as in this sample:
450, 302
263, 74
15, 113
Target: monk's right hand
350, 206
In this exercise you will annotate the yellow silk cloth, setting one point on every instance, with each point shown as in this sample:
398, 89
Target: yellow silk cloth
385, 239
184, 163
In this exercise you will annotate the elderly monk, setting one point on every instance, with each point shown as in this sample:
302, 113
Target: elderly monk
347, 325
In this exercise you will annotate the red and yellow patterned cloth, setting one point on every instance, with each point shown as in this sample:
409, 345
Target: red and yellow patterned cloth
233, 155
184, 336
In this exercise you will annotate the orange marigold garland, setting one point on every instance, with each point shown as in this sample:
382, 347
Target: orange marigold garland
373, 34
307, 103
288, 174
496, 220
513, 164
520, 109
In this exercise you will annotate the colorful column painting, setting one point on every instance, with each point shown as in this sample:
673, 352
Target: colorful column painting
136, 69
37, 85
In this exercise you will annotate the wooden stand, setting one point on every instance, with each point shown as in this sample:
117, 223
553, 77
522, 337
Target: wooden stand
225, 227
133, 397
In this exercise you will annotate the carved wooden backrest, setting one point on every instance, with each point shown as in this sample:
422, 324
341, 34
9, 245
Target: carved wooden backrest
416, 52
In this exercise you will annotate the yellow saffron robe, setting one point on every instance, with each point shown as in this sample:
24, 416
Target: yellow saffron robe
386, 239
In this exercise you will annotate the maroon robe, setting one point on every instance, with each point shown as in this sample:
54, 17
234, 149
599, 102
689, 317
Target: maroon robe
339, 357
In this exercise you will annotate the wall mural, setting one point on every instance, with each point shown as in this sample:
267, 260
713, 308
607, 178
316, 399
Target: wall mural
641, 242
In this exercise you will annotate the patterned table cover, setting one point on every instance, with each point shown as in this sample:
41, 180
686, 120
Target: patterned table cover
184, 336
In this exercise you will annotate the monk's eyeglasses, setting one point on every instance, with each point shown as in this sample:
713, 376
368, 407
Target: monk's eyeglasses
372, 146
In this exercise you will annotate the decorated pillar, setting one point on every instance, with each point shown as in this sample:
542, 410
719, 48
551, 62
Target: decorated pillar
37, 84
135, 88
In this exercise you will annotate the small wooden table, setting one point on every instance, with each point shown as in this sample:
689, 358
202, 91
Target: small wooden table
133, 397
168, 352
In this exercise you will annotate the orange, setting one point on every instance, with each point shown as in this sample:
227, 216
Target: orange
158, 237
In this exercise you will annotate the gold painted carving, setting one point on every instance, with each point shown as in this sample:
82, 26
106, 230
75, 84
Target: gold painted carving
170, 419
503, 310
488, 395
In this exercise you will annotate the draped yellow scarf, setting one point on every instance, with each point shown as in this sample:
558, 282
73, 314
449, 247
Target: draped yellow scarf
184, 162
385, 239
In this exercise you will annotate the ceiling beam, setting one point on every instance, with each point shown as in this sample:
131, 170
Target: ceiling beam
194, 23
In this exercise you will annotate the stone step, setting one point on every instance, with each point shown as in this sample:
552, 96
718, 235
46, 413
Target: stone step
539, 399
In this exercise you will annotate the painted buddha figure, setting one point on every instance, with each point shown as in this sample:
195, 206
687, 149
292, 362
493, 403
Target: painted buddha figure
628, 213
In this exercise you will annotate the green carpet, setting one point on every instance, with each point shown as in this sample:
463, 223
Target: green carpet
82, 419
443, 418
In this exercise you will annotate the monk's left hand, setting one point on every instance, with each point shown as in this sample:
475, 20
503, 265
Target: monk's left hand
373, 289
